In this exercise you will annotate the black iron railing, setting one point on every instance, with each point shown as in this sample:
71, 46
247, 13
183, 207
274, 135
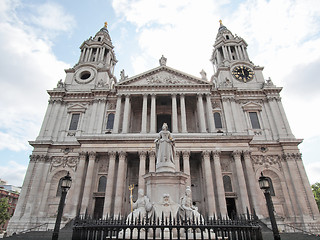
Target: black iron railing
240, 228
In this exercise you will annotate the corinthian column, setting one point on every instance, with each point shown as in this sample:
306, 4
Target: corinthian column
109, 187
88, 183
142, 169
209, 113
201, 115
174, 113
152, 160
120, 184
219, 181
242, 190
78, 184
153, 120
126, 115
144, 114
209, 183
186, 166
117, 116
183, 114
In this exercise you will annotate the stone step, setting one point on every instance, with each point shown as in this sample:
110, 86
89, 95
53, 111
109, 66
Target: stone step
290, 236
41, 235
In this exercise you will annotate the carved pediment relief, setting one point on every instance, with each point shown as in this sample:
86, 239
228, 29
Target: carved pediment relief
252, 106
163, 76
77, 108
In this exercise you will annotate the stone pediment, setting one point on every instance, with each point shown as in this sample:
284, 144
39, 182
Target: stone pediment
252, 106
77, 108
163, 75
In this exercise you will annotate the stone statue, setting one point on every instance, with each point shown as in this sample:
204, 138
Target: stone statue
141, 207
203, 75
123, 75
60, 84
164, 146
163, 61
186, 208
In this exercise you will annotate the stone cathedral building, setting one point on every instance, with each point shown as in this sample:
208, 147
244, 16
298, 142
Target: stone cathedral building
228, 128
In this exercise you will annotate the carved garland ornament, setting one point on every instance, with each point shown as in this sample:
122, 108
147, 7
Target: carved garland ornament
165, 78
266, 160
70, 162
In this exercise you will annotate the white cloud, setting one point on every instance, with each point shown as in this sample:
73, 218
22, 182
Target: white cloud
29, 68
13, 173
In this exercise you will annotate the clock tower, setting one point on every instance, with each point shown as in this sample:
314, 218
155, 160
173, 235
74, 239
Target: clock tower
231, 62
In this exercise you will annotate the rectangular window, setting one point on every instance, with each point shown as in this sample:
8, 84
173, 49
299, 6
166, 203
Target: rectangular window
254, 120
74, 121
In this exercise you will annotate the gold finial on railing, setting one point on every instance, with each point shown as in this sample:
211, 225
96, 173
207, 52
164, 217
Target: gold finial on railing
105, 24
131, 187
220, 21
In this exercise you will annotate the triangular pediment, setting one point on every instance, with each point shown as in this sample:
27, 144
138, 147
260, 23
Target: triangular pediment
163, 75
77, 108
252, 106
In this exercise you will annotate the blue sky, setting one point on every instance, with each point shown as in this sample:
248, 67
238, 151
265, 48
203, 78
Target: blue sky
39, 39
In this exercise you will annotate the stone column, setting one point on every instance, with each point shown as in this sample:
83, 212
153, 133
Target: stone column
90, 54
102, 54
219, 181
183, 114
201, 115
253, 183
177, 161
93, 115
237, 54
227, 114
277, 116
284, 118
126, 115
117, 116
144, 114
297, 184
153, 117
306, 185
229, 51
186, 166
142, 169
46, 119
242, 190
88, 183
209, 114
174, 113
118, 202
78, 184
209, 183
152, 160
109, 187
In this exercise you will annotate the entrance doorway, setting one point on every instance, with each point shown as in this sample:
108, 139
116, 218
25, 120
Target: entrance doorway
98, 208
163, 118
231, 207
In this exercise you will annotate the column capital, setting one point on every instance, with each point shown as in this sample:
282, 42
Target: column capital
82, 155
177, 153
216, 153
122, 155
247, 153
142, 154
92, 155
112, 154
199, 94
152, 153
145, 95
182, 94
206, 154
236, 154
186, 154
173, 94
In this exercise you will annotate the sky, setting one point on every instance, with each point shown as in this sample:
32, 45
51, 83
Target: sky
39, 39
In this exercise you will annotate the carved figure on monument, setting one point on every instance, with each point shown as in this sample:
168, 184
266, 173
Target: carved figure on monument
141, 207
123, 75
60, 84
164, 146
186, 208
166, 207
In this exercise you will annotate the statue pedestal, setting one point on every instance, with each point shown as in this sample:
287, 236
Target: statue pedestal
160, 183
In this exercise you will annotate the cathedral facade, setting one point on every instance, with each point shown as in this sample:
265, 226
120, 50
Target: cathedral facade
228, 129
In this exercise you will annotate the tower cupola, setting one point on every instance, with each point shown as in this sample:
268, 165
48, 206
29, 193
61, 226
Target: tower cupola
98, 50
228, 49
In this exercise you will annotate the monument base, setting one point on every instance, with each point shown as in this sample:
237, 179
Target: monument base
160, 183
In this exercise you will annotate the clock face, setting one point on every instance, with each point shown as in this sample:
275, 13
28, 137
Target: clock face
242, 73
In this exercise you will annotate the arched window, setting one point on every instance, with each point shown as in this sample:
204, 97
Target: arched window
227, 37
59, 189
217, 120
102, 184
99, 39
227, 183
110, 121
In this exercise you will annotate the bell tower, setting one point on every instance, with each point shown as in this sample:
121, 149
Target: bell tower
231, 62
96, 63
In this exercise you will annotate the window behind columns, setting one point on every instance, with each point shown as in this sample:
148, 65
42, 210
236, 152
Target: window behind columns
102, 184
74, 121
227, 183
217, 120
254, 120
110, 121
